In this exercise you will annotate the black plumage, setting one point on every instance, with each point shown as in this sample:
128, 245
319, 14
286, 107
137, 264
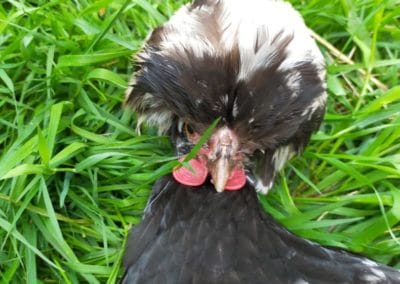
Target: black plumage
254, 66
201, 236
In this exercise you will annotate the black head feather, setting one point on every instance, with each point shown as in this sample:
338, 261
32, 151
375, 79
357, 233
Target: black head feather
199, 66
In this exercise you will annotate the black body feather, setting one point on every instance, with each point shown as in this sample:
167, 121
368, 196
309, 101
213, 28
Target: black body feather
200, 236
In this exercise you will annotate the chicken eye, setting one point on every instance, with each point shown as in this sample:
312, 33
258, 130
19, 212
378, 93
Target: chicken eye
188, 129
191, 135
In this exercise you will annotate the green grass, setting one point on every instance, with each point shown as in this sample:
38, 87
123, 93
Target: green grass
74, 175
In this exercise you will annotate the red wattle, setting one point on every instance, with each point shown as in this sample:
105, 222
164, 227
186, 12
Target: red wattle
237, 179
187, 177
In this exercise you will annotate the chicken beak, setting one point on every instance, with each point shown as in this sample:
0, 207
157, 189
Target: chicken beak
220, 171
223, 149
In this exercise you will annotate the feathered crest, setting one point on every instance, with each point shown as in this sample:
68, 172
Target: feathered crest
262, 79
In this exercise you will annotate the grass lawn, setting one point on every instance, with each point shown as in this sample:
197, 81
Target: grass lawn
75, 176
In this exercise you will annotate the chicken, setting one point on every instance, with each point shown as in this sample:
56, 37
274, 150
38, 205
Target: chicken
252, 69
